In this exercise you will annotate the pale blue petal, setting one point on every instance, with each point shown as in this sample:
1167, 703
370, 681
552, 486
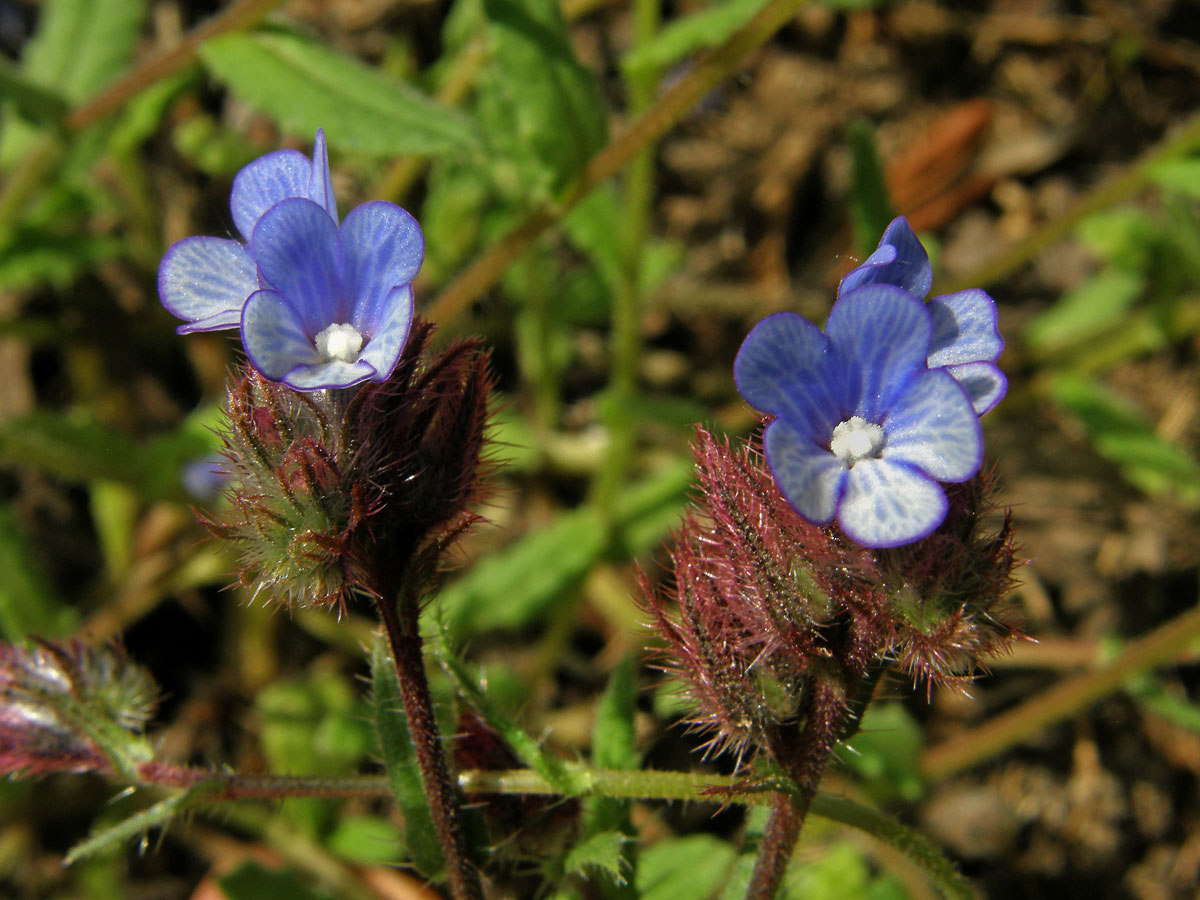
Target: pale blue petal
964, 329
393, 322
933, 427
900, 260
298, 253
329, 375
264, 182
784, 368
880, 335
274, 337
888, 504
320, 185
206, 281
810, 477
383, 248
984, 383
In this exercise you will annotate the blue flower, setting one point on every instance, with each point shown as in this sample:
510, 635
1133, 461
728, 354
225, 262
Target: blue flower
319, 305
966, 342
206, 280
864, 429
336, 304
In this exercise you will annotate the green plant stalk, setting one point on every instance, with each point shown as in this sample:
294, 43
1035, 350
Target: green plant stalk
1121, 187
671, 106
626, 341
1162, 646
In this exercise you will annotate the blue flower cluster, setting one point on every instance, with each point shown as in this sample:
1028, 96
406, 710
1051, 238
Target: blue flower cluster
319, 305
871, 414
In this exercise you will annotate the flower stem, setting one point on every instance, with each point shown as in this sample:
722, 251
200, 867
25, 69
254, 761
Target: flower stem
803, 757
404, 637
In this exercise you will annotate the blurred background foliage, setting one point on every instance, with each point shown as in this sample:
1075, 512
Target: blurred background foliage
1050, 152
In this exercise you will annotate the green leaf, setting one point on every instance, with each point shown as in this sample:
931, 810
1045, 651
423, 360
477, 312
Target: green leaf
1096, 306
37, 104
1121, 434
839, 872
367, 841
1179, 175
885, 752
941, 873
156, 816
306, 86
28, 604
35, 256
685, 36
400, 761
75, 448
542, 109
81, 45
870, 205
517, 585
250, 881
693, 867
527, 749
613, 745
603, 852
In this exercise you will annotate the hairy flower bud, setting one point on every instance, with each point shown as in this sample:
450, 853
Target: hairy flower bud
337, 493
70, 707
767, 604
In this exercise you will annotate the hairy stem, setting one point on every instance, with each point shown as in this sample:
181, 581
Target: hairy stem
404, 637
803, 757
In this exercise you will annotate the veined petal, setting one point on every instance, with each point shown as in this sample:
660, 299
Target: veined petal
206, 281
880, 336
933, 427
320, 185
784, 368
298, 253
274, 337
264, 182
393, 322
984, 383
900, 260
888, 504
810, 477
964, 329
329, 375
383, 248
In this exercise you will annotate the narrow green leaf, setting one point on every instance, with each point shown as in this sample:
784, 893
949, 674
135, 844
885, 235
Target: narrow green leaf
685, 36
613, 745
1121, 434
1098, 305
542, 108
941, 873
134, 827
870, 205
527, 749
400, 761
76, 448
306, 86
603, 852
28, 604
81, 45
33, 101
517, 585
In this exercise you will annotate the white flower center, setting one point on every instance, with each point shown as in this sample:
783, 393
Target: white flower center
339, 343
856, 439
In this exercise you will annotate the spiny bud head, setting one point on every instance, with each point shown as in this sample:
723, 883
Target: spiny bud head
62, 706
338, 493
